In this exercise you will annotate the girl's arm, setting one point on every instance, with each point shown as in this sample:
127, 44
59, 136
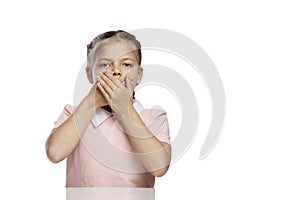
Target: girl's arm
65, 138
154, 154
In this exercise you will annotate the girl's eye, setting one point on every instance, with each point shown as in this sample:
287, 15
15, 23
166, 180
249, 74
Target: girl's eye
104, 65
126, 64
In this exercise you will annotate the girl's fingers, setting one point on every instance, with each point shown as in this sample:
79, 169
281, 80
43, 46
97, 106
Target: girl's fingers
123, 78
108, 82
109, 77
104, 92
128, 82
106, 87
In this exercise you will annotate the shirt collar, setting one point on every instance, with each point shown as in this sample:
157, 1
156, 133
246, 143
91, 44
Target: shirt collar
101, 114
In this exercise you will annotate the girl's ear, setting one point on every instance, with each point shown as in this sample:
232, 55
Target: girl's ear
140, 74
89, 74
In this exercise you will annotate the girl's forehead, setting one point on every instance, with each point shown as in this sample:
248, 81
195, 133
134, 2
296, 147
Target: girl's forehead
113, 50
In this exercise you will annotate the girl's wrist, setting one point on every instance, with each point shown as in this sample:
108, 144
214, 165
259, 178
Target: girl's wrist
127, 115
89, 103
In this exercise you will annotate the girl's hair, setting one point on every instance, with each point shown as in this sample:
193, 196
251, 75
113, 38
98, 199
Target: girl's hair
120, 34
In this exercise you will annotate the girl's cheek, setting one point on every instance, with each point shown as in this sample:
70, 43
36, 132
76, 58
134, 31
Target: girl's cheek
95, 73
99, 71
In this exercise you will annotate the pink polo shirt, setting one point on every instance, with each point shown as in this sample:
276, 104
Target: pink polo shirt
104, 156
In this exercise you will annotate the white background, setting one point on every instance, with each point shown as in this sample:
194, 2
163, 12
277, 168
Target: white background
254, 44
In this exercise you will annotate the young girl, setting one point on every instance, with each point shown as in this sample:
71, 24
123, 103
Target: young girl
109, 139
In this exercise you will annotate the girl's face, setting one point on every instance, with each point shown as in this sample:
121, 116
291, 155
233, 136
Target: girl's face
118, 58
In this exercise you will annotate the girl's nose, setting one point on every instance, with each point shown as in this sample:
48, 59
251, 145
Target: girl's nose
116, 71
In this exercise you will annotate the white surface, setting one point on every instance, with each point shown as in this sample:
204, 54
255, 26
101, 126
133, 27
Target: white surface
255, 46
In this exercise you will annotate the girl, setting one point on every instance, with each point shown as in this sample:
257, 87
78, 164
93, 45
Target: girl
109, 139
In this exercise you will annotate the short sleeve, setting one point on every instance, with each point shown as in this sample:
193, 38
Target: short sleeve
158, 125
66, 113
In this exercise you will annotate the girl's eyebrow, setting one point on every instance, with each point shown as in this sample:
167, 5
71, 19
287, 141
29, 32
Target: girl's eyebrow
111, 60
127, 59
105, 59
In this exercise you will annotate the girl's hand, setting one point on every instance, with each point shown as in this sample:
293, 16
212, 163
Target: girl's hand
96, 98
118, 93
